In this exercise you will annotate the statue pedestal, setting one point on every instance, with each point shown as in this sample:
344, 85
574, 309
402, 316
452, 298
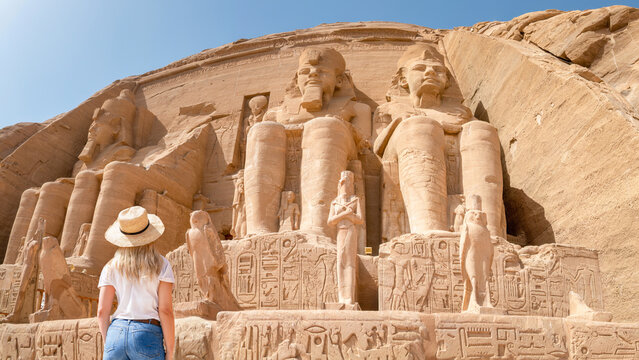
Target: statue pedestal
342, 306
484, 310
203, 308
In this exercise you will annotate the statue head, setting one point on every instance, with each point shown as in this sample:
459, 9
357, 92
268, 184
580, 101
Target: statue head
107, 125
346, 184
320, 72
258, 104
240, 181
200, 218
421, 73
476, 217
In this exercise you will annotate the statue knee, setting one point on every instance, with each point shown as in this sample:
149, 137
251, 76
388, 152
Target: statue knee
418, 124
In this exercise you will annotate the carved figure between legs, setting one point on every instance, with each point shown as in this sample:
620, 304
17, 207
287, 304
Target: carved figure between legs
476, 257
346, 214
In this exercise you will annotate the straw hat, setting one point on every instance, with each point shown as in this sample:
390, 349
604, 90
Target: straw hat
134, 227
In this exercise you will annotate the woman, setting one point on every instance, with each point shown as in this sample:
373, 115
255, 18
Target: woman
142, 280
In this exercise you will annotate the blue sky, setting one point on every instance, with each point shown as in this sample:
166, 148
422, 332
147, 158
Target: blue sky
55, 54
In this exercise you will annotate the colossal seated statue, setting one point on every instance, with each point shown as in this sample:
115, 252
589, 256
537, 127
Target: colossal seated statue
115, 168
319, 103
438, 147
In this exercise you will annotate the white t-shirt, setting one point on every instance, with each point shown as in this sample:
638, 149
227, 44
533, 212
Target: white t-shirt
137, 299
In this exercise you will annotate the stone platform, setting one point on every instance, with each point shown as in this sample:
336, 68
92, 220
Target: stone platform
299, 334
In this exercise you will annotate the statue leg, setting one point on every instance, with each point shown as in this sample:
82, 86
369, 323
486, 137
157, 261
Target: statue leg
346, 247
264, 176
52, 206
327, 146
482, 173
21, 222
81, 207
351, 264
418, 142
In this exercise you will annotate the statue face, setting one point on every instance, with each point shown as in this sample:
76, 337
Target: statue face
101, 131
320, 75
426, 77
199, 218
346, 183
258, 105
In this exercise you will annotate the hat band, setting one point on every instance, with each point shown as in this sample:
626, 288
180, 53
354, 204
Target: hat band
137, 232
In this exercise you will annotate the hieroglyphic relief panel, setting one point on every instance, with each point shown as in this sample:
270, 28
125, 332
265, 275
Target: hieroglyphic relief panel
9, 287
18, 341
473, 336
422, 273
394, 219
597, 340
293, 160
275, 271
281, 271
185, 288
85, 285
81, 340
194, 339
253, 335
57, 340
453, 165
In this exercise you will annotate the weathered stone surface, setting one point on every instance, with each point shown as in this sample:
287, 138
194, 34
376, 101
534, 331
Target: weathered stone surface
423, 273
528, 117
600, 39
566, 152
12, 136
325, 335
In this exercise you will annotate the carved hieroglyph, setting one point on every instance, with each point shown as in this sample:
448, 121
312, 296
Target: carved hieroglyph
423, 273
277, 271
473, 336
253, 335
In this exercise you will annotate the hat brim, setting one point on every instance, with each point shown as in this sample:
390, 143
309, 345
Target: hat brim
115, 236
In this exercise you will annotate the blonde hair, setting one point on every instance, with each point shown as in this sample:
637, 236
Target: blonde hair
137, 262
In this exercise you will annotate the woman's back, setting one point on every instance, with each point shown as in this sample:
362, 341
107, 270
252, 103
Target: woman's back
137, 298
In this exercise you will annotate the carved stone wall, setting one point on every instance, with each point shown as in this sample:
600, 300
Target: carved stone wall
422, 273
81, 340
346, 335
276, 271
253, 335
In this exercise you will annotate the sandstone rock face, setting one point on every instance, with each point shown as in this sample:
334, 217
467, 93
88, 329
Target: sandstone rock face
408, 172
566, 149
12, 136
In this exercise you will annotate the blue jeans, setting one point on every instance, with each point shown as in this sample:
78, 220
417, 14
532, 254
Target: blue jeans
133, 340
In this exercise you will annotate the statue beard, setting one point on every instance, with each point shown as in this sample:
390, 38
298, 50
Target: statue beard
312, 98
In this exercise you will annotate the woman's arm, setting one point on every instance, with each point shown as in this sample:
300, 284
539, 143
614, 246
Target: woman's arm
105, 304
165, 310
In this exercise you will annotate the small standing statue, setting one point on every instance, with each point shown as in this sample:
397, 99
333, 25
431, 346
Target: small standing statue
238, 228
61, 300
289, 212
81, 244
258, 105
28, 276
460, 211
209, 262
476, 255
346, 214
